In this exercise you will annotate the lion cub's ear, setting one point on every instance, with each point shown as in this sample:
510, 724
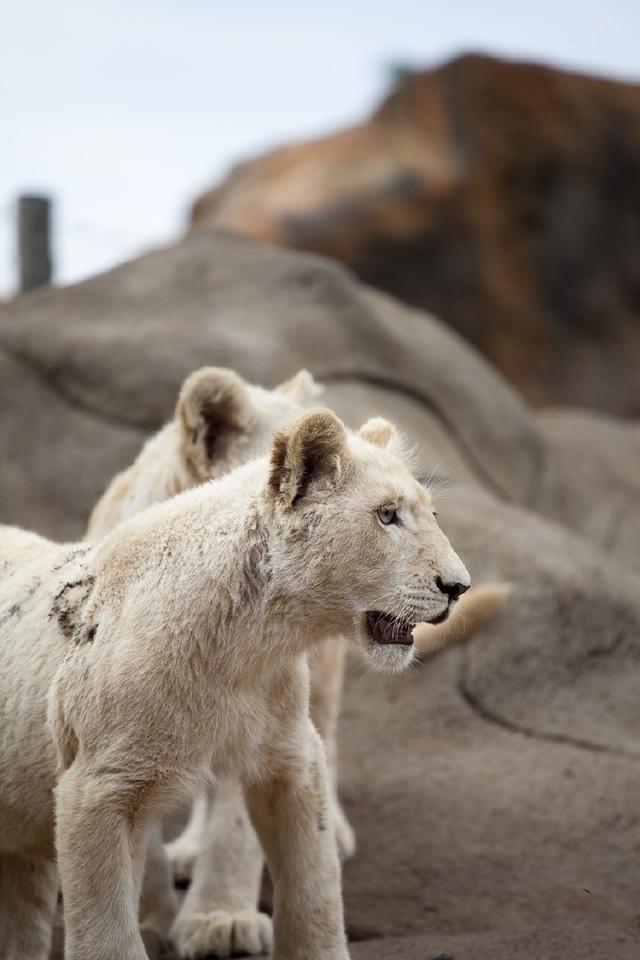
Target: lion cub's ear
213, 403
378, 431
301, 387
308, 450
383, 434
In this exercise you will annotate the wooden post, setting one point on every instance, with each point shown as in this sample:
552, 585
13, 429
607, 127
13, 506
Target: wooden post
34, 243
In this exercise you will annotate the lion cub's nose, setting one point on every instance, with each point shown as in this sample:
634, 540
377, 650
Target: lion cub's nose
452, 590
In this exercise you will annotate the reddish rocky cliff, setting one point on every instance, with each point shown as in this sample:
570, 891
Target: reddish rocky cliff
504, 197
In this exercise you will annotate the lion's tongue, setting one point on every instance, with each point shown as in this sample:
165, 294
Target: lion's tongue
389, 630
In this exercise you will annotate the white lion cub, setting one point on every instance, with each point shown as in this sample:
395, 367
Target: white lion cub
177, 644
221, 421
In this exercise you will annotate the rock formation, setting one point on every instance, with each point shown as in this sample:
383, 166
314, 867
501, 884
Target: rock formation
503, 197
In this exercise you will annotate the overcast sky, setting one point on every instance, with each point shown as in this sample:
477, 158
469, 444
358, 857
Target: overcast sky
123, 110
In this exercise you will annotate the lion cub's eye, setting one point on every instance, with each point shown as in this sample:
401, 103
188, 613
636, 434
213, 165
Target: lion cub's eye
387, 515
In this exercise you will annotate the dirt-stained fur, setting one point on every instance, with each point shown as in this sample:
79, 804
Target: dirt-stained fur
206, 606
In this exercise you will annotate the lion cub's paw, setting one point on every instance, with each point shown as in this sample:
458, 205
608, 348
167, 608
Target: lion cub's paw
181, 854
222, 934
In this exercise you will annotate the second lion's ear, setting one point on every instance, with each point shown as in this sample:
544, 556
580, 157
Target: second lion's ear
378, 431
308, 452
384, 435
301, 387
213, 402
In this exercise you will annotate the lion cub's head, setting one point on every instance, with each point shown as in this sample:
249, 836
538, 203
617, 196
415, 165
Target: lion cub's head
220, 422
356, 541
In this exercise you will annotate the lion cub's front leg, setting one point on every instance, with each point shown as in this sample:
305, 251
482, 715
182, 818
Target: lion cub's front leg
219, 916
291, 811
101, 845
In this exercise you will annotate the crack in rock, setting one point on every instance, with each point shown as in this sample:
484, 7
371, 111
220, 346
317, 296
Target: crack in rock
511, 726
54, 386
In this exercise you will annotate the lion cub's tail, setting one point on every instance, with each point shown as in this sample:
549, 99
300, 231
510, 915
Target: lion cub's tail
471, 612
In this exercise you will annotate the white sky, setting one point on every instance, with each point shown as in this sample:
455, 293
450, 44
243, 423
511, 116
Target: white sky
124, 109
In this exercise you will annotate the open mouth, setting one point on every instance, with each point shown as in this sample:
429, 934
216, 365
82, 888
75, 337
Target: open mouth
385, 628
